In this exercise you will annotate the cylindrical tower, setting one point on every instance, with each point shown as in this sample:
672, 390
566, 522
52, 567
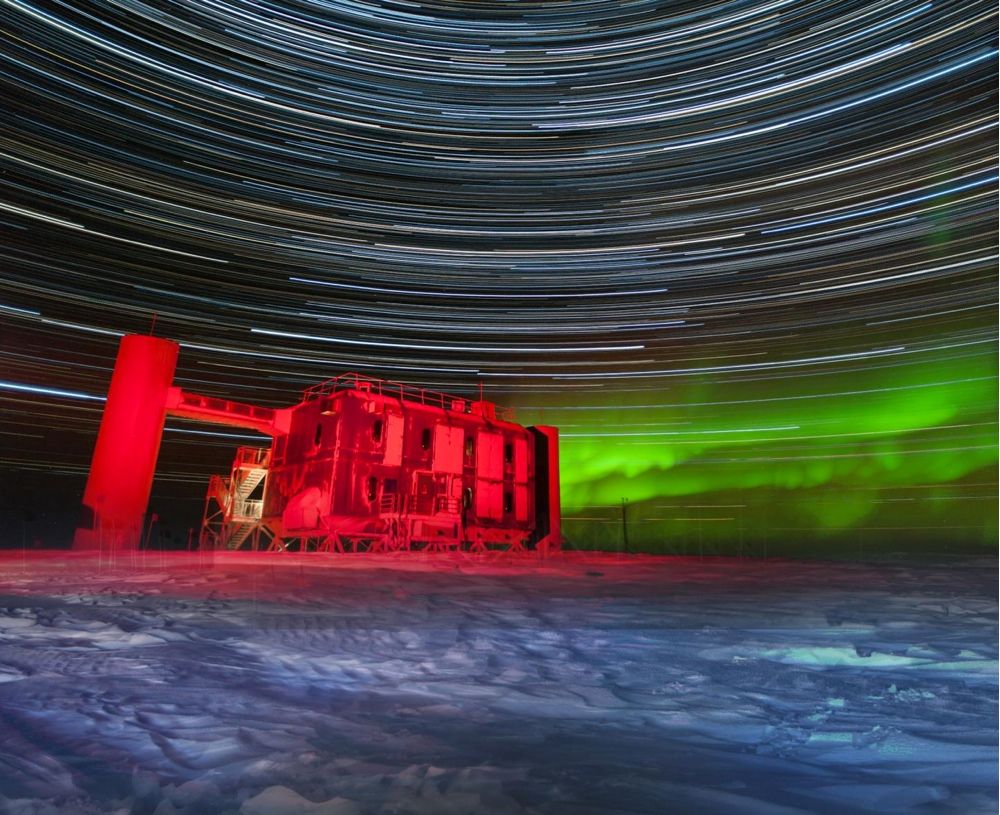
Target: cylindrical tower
121, 472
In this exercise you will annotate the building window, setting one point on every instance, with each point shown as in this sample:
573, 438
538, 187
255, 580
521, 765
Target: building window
425, 439
508, 501
470, 446
372, 488
508, 453
467, 498
377, 430
319, 434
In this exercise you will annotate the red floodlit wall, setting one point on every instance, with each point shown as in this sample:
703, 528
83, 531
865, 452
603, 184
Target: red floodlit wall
447, 447
121, 472
489, 475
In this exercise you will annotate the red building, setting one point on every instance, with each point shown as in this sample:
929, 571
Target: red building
372, 465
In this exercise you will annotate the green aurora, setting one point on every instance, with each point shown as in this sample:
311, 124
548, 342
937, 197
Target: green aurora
893, 454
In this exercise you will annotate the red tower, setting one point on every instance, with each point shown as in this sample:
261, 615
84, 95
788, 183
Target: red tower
121, 472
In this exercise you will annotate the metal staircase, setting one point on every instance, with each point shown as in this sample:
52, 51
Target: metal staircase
238, 532
231, 518
251, 478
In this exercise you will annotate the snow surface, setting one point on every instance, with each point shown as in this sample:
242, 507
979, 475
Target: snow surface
307, 685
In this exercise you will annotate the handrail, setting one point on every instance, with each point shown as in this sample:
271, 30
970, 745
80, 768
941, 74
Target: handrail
219, 487
252, 456
446, 504
248, 510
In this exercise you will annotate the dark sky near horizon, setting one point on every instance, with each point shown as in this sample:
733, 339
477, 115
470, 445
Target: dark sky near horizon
731, 249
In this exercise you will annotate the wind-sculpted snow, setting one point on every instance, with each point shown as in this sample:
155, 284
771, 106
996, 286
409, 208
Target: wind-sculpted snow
182, 685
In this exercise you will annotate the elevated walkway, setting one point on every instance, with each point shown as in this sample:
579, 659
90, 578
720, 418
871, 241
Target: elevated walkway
211, 409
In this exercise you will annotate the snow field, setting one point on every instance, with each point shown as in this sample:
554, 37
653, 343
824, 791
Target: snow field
178, 684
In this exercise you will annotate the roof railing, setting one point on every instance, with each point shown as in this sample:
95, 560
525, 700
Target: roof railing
254, 457
397, 390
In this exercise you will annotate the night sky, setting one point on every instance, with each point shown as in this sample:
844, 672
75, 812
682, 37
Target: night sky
743, 254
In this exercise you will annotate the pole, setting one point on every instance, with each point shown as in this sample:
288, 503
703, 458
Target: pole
624, 524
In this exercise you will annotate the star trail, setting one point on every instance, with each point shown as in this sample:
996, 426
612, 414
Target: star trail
742, 253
